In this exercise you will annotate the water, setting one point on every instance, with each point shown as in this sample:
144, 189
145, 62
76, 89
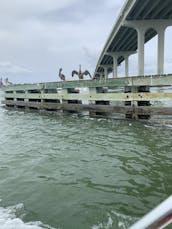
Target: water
77, 172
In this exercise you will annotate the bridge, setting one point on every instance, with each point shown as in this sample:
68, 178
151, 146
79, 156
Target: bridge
139, 21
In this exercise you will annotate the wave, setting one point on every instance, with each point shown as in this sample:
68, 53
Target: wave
116, 220
104, 225
11, 218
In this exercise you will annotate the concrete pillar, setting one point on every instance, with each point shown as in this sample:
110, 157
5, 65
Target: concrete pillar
101, 75
26, 99
160, 57
115, 66
42, 94
126, 66
15, 94
106, 72
141, 50
115, 56
141, 26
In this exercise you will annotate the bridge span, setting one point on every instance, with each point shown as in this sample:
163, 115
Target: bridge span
139, 21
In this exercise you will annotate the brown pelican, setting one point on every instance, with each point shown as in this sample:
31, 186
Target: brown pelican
7, 82
61, 76
1, 82
96, 77
80, 74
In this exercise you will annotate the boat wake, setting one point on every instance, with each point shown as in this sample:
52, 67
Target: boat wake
11, 218
115, 220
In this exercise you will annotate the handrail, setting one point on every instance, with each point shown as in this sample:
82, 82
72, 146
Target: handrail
158, 218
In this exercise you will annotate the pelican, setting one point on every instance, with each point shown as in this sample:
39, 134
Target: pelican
81, 74
61, 76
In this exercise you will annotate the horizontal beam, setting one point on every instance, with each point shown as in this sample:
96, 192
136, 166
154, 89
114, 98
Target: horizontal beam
98, 96
142, 110
151, 80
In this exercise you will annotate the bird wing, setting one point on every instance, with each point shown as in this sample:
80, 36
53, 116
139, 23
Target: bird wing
74, 72
87, 73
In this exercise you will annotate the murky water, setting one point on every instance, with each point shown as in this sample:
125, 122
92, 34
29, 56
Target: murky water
76, 172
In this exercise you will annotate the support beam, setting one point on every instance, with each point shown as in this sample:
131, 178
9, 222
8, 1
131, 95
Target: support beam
106, 72
160, 57
115, 66
141, 27
115, 56
141, 51
101, 75
126, 66
106, 69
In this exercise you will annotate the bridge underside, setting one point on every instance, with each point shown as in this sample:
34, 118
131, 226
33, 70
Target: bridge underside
126, 38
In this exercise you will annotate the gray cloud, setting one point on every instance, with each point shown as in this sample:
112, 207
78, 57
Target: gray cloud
7, 68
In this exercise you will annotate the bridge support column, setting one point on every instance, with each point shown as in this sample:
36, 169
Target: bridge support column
101, 75
115, 56
141, 51
141, 27
115, 66
160, 57
126, 66
106, 72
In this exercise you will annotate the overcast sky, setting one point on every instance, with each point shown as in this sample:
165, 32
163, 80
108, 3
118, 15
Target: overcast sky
39, 36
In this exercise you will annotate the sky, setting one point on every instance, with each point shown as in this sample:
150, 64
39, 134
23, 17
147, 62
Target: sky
37, 37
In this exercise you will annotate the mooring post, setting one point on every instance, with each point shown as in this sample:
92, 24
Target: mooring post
15, 99
63, 91
134, 103
92, 91
26, 100
42, 97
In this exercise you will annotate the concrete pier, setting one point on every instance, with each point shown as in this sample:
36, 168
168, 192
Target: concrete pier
132, 97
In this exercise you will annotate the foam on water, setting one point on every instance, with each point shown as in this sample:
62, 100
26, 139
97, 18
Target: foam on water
11, 218
104, 225
158, 125
115, 220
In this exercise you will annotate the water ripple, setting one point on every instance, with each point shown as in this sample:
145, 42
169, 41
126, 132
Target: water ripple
80, 169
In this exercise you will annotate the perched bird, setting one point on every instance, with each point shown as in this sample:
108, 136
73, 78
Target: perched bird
1, 82
81, 74
97, 77
7, 82
61, 76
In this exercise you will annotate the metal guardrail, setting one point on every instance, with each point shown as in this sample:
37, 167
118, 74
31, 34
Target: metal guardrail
158, 218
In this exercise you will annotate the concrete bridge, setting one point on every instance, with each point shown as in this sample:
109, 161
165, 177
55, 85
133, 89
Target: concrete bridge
139, 21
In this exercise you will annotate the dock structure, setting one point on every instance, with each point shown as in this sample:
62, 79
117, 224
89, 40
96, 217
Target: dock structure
129, 97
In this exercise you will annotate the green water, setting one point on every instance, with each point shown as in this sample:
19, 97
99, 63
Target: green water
76, 172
